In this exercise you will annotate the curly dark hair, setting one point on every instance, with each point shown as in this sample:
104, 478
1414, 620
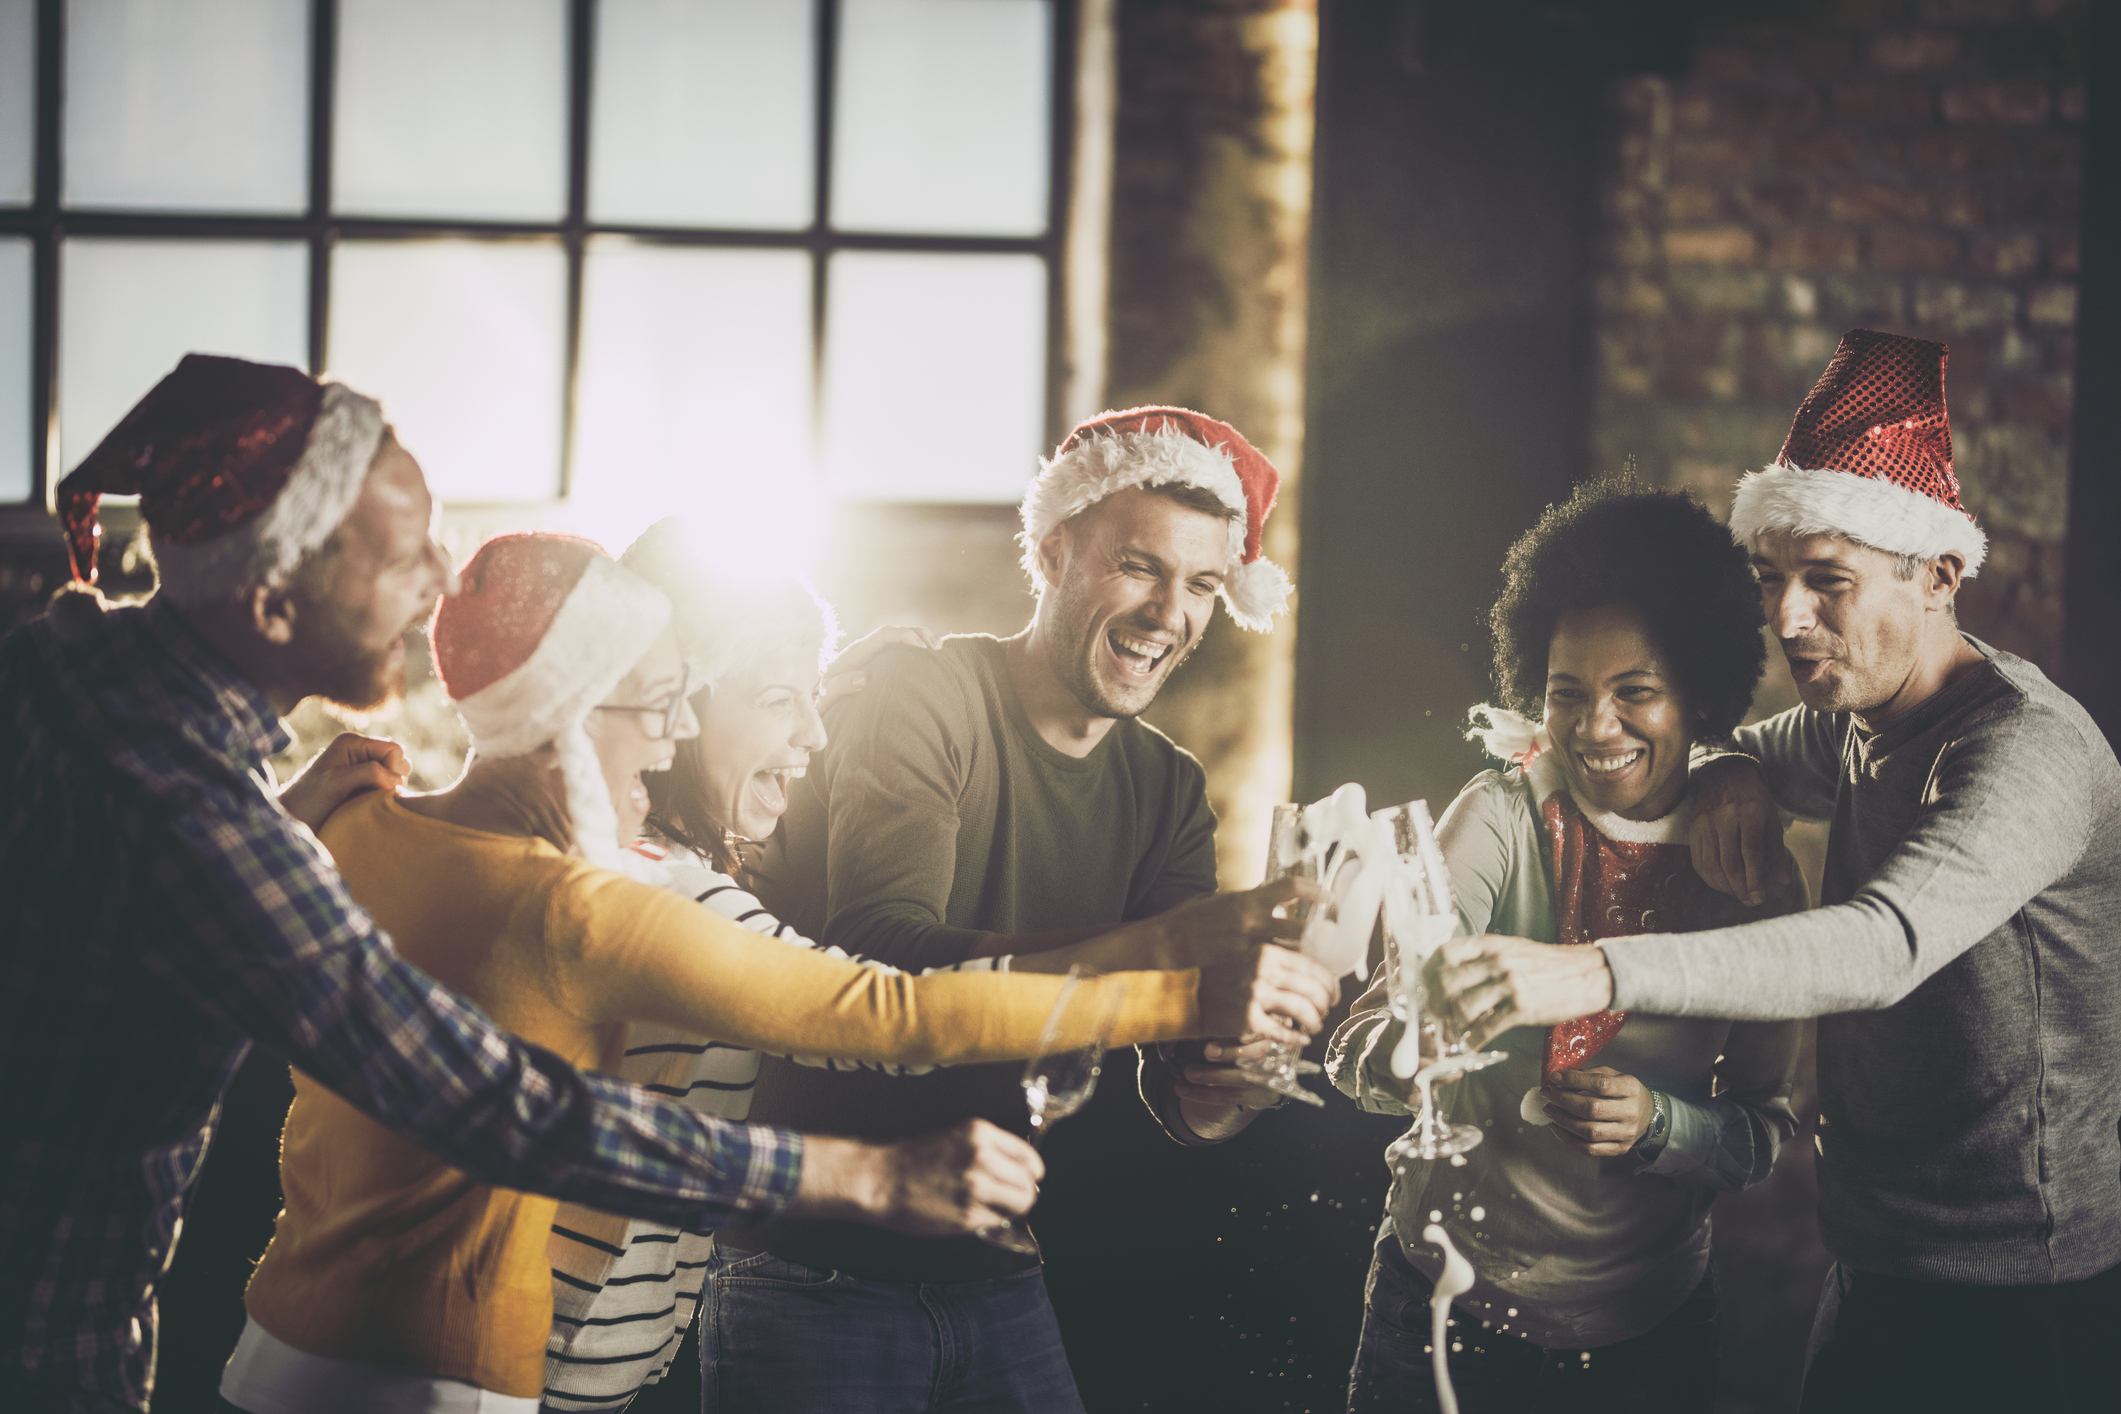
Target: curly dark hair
1663, 554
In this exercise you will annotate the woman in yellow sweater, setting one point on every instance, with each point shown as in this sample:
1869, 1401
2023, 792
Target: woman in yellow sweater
396, 1282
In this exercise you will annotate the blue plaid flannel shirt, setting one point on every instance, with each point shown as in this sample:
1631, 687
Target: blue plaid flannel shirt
158, 911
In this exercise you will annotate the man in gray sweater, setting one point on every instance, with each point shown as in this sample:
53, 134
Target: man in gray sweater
1966, 964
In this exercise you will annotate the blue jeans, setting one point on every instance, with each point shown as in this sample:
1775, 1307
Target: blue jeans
777, 1337
1671, 1367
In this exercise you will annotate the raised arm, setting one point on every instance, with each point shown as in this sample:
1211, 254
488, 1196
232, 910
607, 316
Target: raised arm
2007, 815
725, 897
631, 952
272, 946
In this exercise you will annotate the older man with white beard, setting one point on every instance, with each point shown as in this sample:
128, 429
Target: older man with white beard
991, 797
1966, 964
161, 906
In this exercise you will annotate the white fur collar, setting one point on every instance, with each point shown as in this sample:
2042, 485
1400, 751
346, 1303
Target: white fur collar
1546, 776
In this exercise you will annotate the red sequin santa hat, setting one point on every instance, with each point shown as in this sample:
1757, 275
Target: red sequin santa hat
1161, 446
544, 627
222, 445
1869, 458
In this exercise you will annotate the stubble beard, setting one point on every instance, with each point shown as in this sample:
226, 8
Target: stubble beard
349, 673
1074, 622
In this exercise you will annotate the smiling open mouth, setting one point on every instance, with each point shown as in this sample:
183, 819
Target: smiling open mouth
771, 787
1606, 766
1138, 657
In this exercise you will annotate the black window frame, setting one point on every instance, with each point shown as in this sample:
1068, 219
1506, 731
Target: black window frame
47, 224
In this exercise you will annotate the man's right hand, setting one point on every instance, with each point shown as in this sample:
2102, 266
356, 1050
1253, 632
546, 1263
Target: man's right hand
1222, 927
1736, 837
961, 1180
1270, 993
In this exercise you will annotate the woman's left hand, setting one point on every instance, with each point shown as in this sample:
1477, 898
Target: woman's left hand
1599, 1112
844, 676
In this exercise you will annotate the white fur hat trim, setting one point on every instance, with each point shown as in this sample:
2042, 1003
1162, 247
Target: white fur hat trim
1866, 509
327, 481
320, 490
1100, 466
607, 622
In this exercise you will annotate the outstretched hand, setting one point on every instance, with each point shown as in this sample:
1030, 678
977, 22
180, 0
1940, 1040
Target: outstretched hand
1481, 987
1217, 927
972, 1176
1268, 993
844, 675
350, 765
1736, 837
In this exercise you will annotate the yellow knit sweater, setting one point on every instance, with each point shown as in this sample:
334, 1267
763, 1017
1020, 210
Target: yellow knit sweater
386, 1255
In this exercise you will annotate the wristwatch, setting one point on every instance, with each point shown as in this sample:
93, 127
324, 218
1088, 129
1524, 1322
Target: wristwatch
1651, 1144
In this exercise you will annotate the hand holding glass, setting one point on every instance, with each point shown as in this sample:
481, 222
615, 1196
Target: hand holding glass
1279, 1067
1058, 1083
1420, 917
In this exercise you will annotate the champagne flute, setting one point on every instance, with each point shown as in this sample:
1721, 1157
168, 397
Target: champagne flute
1058, 1083
1420, 918
1281, 1066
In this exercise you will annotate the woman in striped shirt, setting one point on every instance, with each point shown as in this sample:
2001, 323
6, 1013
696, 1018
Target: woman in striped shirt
624, 1292
396, 1282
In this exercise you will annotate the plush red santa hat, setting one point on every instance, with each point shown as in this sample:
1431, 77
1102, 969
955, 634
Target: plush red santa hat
543, 629
1869, 458
241, 468
1164, 446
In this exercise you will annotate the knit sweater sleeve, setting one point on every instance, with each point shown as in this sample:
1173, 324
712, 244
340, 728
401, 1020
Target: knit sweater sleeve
2006, 815
617, 950
1799, 752
722, 894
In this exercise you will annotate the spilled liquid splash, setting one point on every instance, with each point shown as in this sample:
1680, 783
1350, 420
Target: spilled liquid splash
1455, 1280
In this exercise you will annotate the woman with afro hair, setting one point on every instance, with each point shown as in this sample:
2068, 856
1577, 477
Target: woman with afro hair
1627, 634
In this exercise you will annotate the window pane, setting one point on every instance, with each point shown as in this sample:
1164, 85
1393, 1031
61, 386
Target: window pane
18, 102
451, 108
15, 274
461, 340
941, 116
703, 113
196, 107
955, 342
694, 390
129, 309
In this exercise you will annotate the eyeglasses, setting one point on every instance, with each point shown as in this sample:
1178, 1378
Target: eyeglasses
667, 710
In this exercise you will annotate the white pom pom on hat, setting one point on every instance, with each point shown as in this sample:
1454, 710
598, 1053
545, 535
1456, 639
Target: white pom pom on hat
1162, 446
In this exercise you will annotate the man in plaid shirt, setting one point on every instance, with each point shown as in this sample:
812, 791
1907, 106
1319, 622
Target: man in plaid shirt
160, 907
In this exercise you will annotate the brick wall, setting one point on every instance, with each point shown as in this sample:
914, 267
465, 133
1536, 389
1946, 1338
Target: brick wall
1907, 165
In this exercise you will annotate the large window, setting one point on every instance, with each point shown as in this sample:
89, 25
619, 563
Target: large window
642, 253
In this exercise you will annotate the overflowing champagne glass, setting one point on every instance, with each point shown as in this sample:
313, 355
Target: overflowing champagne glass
1420, 917
1281, 1067
1057, 1083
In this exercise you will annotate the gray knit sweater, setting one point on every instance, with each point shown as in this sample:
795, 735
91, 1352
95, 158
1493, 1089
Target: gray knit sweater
1966, 967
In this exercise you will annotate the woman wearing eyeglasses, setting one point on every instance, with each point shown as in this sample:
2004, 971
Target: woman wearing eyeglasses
395, 1282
